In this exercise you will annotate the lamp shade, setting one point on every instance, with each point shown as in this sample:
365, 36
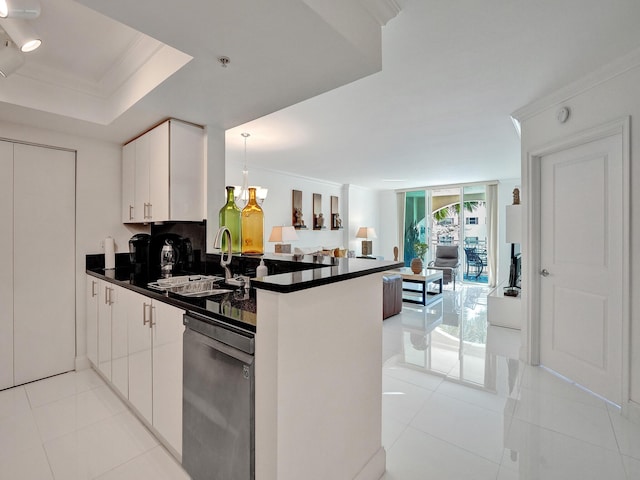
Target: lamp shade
513, 226
366, 232
283, 234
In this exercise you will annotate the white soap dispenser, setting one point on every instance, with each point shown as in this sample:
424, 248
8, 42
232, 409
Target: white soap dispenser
262, 270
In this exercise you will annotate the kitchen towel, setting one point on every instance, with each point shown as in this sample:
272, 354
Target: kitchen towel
109, 254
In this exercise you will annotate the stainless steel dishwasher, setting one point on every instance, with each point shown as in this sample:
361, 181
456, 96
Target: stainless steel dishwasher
218, 440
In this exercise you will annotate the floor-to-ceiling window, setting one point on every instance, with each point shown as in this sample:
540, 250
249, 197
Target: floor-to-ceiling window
456, 215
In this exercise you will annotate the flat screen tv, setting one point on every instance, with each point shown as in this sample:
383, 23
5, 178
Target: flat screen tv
515, 267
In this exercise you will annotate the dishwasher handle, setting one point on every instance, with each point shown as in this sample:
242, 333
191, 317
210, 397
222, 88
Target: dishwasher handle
190, 336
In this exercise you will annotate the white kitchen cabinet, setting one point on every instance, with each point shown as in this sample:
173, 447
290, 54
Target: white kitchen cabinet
121, 308
6, 272
129, 212
37, 338
92, 319
140, 356
155, 366
167, 373
162, 174
105, 310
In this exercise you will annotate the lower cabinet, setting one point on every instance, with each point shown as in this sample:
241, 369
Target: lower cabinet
136, 343
155, 366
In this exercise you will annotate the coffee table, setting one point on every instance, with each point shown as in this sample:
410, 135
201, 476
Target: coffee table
426, 277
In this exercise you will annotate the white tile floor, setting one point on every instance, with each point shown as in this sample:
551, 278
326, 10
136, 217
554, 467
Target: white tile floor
450, 411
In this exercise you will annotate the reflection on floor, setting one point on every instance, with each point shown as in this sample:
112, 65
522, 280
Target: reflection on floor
458, 404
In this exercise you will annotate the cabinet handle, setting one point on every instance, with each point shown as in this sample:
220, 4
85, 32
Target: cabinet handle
152, 309
106, 295
93, 288
130, 212
144, 314
110, 297
150, 211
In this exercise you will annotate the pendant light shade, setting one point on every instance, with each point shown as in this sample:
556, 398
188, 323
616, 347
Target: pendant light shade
19, 9
22, 33
10, 59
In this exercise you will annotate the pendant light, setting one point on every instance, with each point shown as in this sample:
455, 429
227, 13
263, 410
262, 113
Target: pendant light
241, 193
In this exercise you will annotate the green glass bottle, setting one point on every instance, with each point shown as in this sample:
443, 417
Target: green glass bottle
252, 225
230, 217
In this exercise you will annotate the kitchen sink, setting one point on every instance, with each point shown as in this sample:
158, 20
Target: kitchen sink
205, 293
190, 286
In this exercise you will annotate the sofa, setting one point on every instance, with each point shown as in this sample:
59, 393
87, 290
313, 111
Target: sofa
391, 295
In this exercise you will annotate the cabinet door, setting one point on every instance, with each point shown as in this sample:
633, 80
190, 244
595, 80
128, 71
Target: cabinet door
105, 302
186, 171
44, 261
6, 272
121, 302
141, 205
140, 357
92, 319
167, 373
130, 214
158, 139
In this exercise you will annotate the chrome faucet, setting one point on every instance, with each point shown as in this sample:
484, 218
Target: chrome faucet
225, 257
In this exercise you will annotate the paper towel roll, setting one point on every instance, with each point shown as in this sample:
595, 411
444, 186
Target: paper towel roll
109, 254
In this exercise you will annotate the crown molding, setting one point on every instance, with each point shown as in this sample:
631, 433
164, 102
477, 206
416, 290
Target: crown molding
383, 10
603, 74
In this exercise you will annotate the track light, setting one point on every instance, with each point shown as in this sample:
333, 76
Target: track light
19, 8
23, 35
10, 58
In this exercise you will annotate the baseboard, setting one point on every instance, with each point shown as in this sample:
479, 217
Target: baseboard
82, 363
375, 467
631, 411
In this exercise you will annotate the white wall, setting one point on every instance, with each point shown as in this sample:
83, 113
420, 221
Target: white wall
388, 233
364, 211
98, 197
593, 106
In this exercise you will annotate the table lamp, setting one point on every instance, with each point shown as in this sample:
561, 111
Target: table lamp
366, 233
283, 234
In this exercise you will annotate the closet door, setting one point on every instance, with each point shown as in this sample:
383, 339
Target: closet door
6, 272
44, 262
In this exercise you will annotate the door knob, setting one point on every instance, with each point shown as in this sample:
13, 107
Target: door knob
544, 272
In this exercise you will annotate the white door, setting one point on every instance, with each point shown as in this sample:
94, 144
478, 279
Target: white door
44, 262
581, 265
6, 271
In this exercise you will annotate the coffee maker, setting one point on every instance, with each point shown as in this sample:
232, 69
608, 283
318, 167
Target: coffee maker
170, 254
139, 246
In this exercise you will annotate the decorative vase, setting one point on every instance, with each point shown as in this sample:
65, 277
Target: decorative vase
230, 217
252, 226
417, 265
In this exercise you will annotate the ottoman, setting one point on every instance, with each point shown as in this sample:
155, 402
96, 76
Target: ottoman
391, 295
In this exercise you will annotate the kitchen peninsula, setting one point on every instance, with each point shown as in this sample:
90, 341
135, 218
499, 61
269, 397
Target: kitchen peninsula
318, 354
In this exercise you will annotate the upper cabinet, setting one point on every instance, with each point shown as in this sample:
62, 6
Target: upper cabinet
162, 174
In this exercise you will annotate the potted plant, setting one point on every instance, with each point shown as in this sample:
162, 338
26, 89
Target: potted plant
417, 264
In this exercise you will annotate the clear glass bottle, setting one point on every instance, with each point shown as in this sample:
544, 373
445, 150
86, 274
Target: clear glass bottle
230, 217
252, 226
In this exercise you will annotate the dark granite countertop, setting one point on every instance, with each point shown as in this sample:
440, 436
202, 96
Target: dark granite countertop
287, 273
